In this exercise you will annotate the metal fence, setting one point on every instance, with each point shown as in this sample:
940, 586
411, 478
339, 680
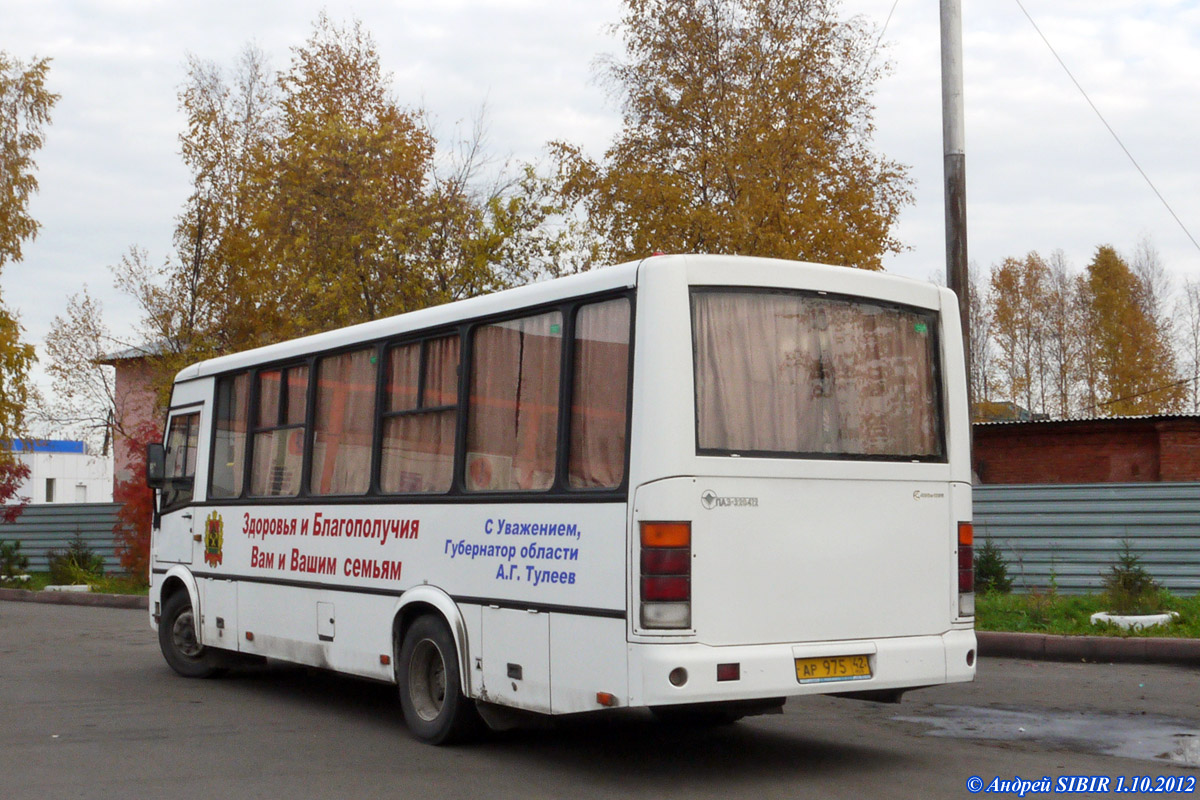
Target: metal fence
52, 526
1066, 534
1070, 535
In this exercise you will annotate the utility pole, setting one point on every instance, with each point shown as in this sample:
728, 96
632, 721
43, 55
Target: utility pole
954, 166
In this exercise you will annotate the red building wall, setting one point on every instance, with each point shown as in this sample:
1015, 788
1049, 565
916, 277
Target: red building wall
136, 407
1118, 450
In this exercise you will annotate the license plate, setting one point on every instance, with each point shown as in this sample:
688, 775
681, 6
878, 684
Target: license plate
833, 668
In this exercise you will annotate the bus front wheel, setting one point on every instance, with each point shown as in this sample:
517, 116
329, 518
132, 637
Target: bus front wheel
177, 638
431, 697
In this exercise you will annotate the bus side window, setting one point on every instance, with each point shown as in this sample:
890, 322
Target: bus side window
420, 417
512, 425
279, 434
343, 423
600, 395
182, 439
229, 453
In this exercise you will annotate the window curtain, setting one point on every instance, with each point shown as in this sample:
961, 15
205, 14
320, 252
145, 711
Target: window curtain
782, 372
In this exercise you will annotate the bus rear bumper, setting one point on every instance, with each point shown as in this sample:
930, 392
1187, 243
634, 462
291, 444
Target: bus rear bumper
771, 670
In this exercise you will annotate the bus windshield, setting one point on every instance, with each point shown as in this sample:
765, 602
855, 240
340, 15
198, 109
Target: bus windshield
808, 375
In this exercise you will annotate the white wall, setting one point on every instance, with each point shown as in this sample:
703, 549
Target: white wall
76, 477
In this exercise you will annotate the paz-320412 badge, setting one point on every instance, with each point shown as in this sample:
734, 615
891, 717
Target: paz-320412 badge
214, 539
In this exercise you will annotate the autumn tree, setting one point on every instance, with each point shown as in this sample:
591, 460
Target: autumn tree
1060, 336
25, 105
341, 186
211, 301
1019, 290
316, 201
1187, 331
1134, 365
747, 129
84, 392
982, 353
1155, 284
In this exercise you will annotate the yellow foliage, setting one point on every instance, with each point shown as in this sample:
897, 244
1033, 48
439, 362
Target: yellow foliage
747, 127
1133, 359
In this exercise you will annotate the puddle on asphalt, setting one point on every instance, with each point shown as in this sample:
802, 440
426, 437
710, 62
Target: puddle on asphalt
1149, 737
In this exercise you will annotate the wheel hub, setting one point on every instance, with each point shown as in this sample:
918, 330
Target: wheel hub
183, 635
427, 680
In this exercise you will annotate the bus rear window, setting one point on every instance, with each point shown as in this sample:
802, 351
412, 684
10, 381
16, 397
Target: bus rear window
798, 374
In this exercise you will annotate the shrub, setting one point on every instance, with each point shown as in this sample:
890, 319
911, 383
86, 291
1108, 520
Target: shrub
132, 530
79, 564
1128, 588
991, 573
12, 563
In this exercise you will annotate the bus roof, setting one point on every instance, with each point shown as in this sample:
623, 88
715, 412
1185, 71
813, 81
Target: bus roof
616, 277
550, 291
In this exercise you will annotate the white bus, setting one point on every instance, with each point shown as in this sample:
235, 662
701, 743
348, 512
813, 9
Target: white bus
698, 484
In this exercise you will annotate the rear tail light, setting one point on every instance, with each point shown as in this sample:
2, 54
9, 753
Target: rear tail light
666, 575
966, 569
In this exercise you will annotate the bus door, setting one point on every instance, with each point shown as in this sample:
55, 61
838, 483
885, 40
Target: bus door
176, 540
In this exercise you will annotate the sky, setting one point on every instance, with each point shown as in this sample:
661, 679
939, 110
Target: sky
1043, 172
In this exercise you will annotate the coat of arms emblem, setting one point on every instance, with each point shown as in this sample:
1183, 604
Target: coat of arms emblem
214, 539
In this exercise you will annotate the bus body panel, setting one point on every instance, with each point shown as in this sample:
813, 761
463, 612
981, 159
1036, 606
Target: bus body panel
663, 439
587, 655
282, 571
781, 560
549, 556
769, 670
791, 557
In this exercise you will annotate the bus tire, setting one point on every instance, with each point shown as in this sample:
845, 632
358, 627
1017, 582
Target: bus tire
177, 639
435, 709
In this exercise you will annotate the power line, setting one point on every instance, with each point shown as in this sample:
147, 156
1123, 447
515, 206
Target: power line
1132, 160
1155, 390
879, 38
886, 22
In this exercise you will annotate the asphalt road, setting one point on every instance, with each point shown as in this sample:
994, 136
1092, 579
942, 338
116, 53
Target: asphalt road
89, 709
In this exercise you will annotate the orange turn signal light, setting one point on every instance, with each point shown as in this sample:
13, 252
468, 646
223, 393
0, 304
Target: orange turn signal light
966, 534
666, 534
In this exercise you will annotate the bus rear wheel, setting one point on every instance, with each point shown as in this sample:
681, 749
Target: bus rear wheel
435, 709
177, 639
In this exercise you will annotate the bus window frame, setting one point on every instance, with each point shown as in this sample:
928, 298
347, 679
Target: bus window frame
559, 491
936, 379
383, 413
253, 428
169, 482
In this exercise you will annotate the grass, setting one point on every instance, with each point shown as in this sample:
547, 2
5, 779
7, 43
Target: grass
1050, 612
105, 584
1033, 612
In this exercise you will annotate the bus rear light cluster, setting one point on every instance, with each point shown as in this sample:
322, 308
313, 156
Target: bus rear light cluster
666, 575
966, 569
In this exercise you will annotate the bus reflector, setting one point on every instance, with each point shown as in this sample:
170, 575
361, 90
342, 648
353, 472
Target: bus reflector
605, 699
666, 579
666, 534
666, 561
729, 672
666, 615
966, 569
670, 587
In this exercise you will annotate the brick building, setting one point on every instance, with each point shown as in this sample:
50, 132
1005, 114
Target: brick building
1108, 450
135, 403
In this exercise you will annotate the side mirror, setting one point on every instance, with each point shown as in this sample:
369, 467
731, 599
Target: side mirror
156, 465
